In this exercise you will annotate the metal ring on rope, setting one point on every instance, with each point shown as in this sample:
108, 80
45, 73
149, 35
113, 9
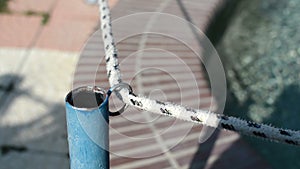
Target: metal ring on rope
116, 88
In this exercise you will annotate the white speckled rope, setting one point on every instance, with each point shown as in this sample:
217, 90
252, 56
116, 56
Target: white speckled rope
188, 114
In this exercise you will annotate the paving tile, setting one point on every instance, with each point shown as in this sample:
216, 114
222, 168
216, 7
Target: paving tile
75, 10
18, 30
71, 23
33, 5
33, 160
34, 114
65, 35
11, 60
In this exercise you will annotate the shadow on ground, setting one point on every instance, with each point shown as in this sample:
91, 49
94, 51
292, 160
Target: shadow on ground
31, 138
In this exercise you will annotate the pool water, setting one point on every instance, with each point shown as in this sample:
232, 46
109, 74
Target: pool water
261, 54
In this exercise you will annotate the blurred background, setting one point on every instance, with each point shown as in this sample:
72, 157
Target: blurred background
257, 41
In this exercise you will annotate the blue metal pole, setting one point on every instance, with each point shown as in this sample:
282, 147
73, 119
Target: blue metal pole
87, 125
